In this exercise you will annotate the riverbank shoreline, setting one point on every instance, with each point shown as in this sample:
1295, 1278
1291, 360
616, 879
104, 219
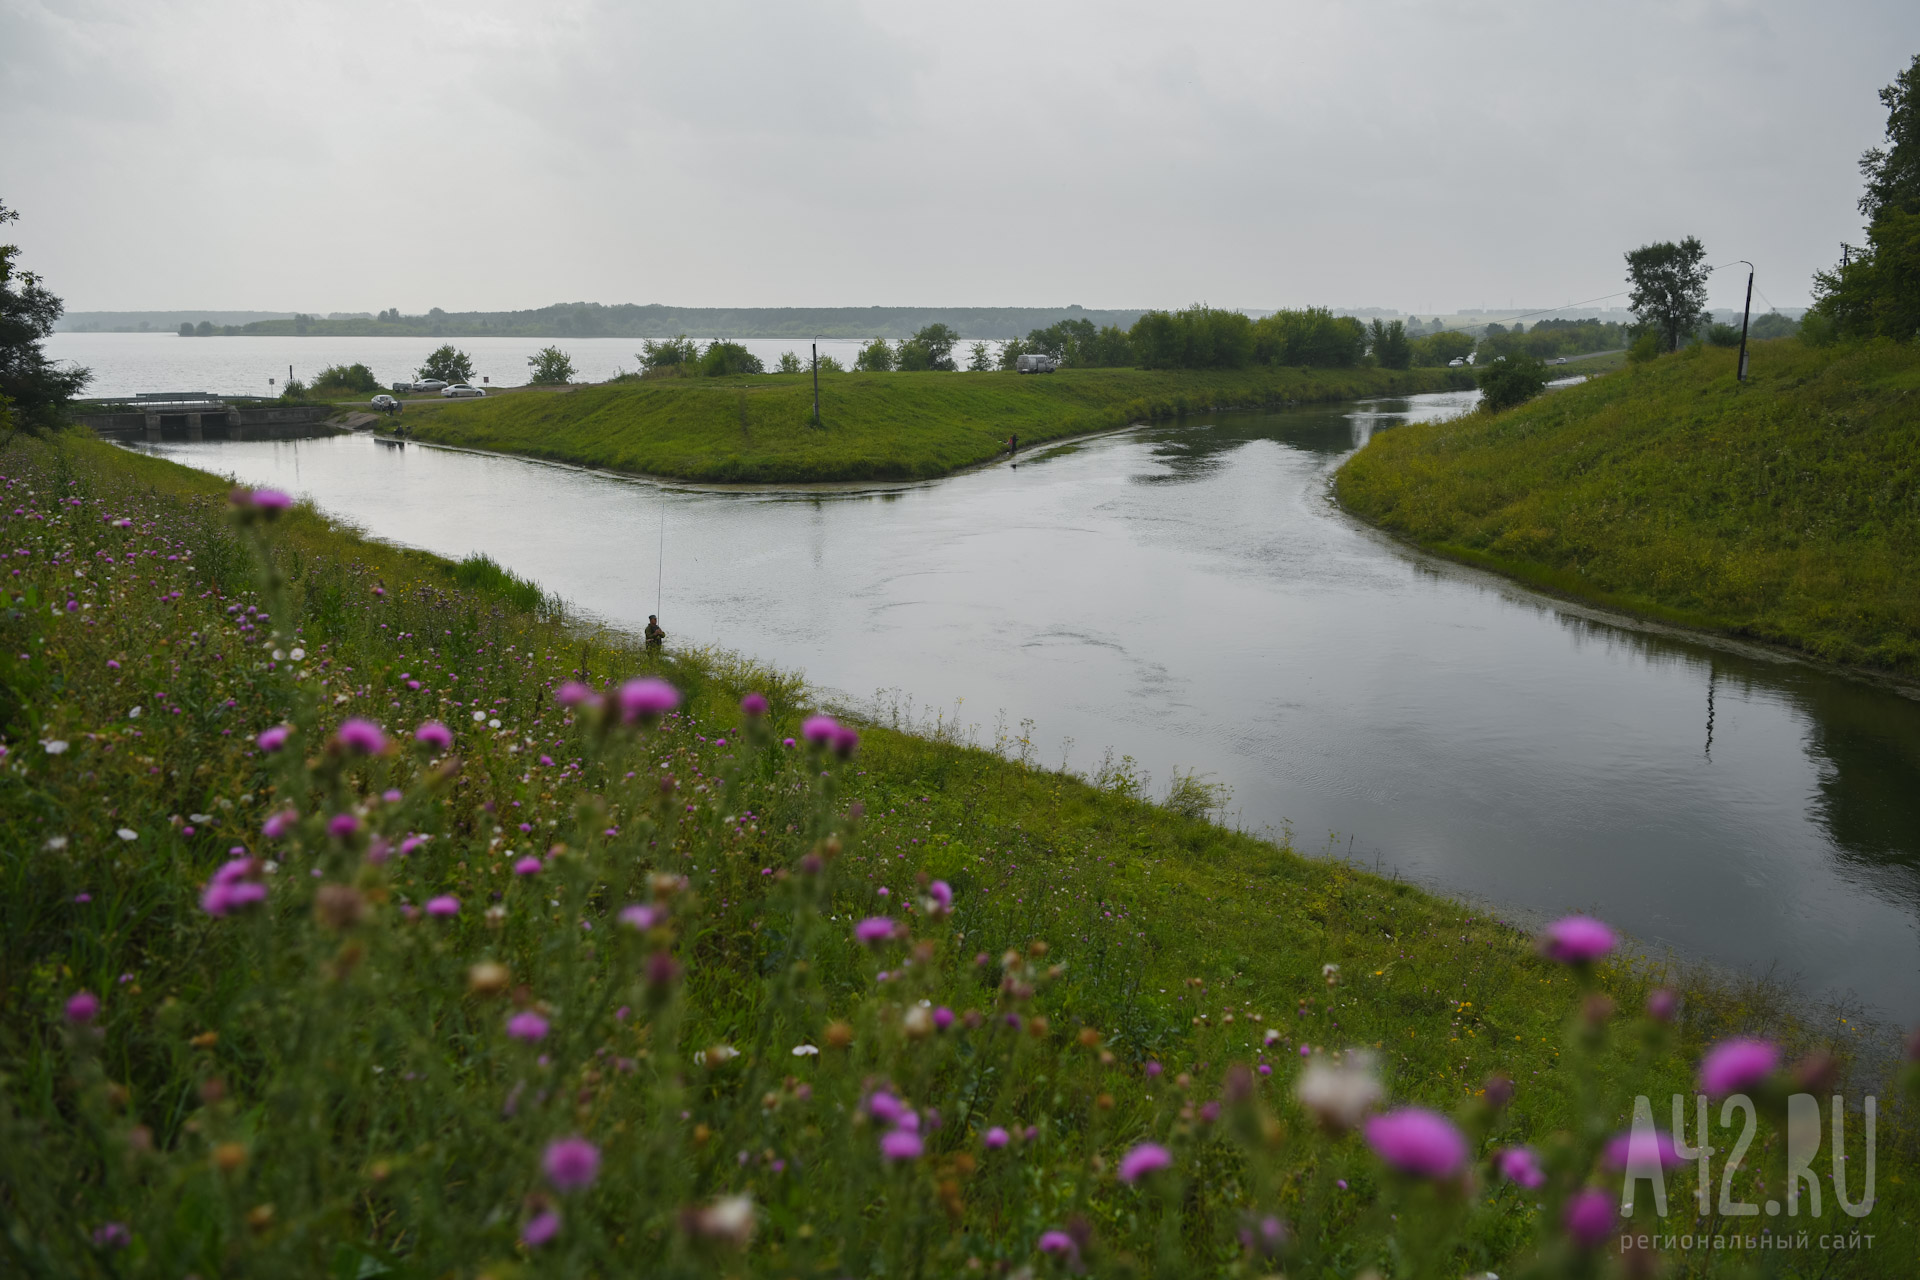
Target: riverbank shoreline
1778, 511
1611, 612
879, 428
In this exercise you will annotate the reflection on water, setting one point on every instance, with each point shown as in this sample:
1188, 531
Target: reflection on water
1186, 594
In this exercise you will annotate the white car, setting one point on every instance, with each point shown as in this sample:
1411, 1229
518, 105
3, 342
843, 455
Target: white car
428, 384
1456, 362
459, 389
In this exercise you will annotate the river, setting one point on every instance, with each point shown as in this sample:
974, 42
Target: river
1186, 594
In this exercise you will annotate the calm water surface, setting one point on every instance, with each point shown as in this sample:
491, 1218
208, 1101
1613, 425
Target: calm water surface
1186, 595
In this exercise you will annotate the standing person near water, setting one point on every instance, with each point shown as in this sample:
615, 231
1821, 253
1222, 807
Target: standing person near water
1013, 445
655, 635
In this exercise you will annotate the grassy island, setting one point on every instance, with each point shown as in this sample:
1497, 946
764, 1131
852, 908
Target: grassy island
876, 426
1785, 510
361, 918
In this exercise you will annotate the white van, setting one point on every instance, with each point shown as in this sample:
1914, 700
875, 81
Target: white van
1035, 364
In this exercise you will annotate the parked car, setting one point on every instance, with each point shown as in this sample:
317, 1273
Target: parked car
1456, 362
459, 389
1035, 364
384, 403
401, 388
1561, 360
429, 384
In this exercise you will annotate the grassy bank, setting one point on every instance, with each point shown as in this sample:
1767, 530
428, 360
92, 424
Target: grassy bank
891, 426
1785, 510
437, 1039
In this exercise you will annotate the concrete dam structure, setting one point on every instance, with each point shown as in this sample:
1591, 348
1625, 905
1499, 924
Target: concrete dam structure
197, 416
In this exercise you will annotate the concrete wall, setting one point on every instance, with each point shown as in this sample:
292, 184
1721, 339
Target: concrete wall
272, 422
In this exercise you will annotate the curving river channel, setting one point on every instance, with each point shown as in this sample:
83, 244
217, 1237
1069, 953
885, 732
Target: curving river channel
1186, 594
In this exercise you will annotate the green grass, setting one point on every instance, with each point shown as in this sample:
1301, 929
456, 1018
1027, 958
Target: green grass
292, 1092
1786, 510
891, 426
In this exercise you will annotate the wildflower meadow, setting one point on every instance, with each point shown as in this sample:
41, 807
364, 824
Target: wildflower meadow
360, 921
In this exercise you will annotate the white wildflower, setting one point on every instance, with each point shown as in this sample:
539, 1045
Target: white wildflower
1340, 1093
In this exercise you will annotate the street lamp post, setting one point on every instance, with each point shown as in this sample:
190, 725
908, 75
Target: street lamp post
1740, 374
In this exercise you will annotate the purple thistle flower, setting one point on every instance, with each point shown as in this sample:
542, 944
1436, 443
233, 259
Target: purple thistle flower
112, 1235
362, 736
1662, 1004
443, 906
1589, 1218
874, 930
279, 824
1417, 1141
527, 1026
901, 1144
527, 866
433, 734
1622, 1150
1146, 1158
819, 729
994, 1138
641, 917
754, 704
1058, 1242
884, 1106
1734, 1065
342, 825
540, 1229
571, 1164
942, 895
273, 739
845, 742
1518, 1166
1577, 940
574, 694
942, 1018
82, 1007
647, 699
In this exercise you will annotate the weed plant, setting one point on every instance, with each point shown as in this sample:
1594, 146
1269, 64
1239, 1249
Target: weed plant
360, 922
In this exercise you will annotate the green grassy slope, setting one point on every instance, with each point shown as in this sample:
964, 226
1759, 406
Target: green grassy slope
301, 1089
1785, 510
894, 426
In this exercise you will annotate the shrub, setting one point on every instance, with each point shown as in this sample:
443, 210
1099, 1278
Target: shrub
1646, 347
725, 359
875, 357
669, 354
791, 363
1510, 380
550, 367
448, 364
345, 379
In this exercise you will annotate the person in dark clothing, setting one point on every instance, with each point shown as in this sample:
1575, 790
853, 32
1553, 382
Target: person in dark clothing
655, 635
1013, 445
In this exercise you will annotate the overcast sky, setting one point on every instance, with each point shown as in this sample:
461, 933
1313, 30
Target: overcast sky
1430, 155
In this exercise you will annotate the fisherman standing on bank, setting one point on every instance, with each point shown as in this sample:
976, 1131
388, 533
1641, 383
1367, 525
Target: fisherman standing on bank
655, 635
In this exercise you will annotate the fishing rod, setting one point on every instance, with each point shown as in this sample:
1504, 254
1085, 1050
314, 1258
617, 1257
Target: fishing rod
660, 567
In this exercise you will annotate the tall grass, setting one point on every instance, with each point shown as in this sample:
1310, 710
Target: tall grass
482, 574
361, 924
1785, 509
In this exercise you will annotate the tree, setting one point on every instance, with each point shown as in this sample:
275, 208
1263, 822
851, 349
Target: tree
448, 365
1314, 337
204, 329
668, 358
1510, 380
1441, 348
1893, 172
345, 379
551, 367
186, 328
829, 365
875, 357
1389, 344
1010, 352
790, 363
929, 349
724, 359
1201, 337
1669, 287
37, 388
1876, 293
979, 358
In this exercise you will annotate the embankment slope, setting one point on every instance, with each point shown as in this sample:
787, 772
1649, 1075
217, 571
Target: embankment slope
890, 426
1785, 510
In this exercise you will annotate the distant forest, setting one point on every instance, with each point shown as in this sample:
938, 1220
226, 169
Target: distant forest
627, 320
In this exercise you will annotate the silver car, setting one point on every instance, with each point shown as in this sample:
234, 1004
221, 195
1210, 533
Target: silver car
429, 384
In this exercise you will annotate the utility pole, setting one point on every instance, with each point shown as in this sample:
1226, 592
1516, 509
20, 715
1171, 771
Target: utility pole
816, 384
1740, 374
